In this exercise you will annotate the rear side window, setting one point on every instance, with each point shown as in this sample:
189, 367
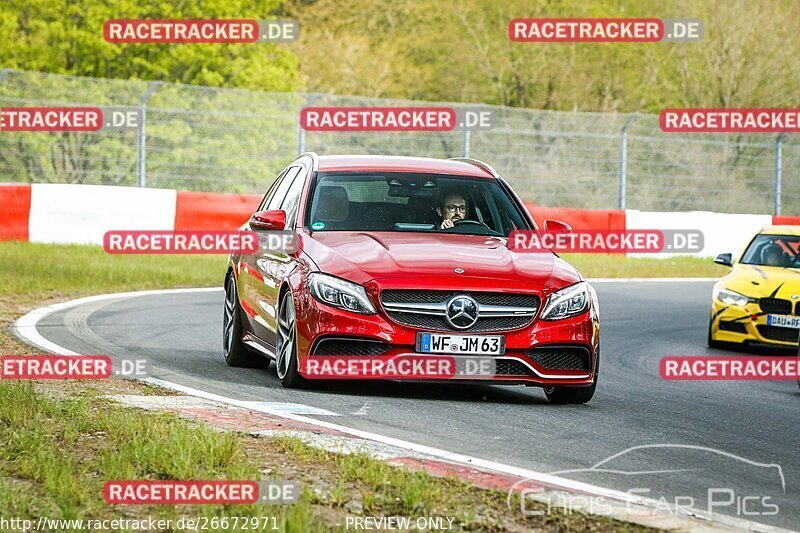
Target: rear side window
280, 193
292, 199
271, 191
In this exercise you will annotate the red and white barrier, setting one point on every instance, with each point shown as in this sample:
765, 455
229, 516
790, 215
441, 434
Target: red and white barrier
81, 214
722, 232
213, 211
588, 219
63, 213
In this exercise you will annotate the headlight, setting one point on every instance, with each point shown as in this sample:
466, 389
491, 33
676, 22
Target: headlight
733, 298
340, 293
567, 302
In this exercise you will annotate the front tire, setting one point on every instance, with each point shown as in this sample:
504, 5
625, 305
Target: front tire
574, 395
233, 349
286, 348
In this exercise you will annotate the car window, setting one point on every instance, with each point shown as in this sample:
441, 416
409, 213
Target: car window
292, 199
280, 192
271, 191
773, 250
398, 201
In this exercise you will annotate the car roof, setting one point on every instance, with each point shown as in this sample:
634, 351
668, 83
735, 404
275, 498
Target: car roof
781, 230
387, 163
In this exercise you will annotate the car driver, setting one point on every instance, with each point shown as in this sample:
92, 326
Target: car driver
452, 209
772, 255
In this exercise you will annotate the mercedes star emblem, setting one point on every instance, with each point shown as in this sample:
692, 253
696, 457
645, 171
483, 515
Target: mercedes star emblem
461, 312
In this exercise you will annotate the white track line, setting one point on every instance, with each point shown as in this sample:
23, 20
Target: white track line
25, 328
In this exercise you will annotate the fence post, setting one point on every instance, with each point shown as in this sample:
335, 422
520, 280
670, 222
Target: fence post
301, 138
311, 99
142, 137
4, 73
465, 144
623, 161
778, 172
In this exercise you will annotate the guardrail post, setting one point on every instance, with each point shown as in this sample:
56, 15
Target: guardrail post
778, 172
142, 137
623, 161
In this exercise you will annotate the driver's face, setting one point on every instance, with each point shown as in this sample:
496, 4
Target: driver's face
773, 257
453, 208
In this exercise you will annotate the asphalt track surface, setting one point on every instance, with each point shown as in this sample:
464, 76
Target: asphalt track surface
745, 422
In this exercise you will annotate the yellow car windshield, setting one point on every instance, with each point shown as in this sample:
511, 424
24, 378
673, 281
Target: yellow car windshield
773, 250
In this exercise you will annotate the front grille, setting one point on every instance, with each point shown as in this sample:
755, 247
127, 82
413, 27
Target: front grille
511, 367
438, 323
518, 310
483, 298
561, 357
339, 346
777, 333
797, 308
735, 327
776, 306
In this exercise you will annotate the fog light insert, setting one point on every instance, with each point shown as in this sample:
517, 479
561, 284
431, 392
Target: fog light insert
561, 357
735, 327
350, 346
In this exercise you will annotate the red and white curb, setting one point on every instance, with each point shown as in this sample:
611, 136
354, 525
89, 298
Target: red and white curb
268, 419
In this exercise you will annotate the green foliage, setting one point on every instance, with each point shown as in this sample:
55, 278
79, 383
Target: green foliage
66, 37
460, 51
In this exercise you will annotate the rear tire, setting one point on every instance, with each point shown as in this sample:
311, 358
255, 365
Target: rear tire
235, 352
286, 349
574, 395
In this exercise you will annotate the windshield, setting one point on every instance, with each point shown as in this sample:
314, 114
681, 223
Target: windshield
413, 202
773, 250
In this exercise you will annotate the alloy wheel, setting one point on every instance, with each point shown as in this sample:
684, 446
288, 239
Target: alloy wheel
286, 336
228, 318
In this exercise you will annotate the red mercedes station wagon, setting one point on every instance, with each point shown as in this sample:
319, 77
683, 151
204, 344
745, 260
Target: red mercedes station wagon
407, 256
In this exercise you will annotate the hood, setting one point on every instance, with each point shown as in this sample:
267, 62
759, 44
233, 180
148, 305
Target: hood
759, 281
362, 256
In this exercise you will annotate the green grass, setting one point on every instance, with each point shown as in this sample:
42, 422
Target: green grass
69, 448
398, 491
31, 270
614, 266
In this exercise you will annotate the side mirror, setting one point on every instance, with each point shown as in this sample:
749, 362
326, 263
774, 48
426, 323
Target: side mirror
274, 219
724, 259
556, 227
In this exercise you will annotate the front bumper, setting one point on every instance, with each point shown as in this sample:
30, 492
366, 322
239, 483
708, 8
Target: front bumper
529, 355
747, 325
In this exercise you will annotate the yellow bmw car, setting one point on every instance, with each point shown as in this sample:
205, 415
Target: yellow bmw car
758, 301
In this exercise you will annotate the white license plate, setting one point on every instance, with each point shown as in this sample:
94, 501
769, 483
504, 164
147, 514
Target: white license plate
784, 321
461, 344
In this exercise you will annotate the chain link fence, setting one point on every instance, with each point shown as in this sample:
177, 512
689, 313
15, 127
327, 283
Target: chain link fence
229, 140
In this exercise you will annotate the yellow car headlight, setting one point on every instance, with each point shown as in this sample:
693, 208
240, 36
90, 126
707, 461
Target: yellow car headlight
730, 297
